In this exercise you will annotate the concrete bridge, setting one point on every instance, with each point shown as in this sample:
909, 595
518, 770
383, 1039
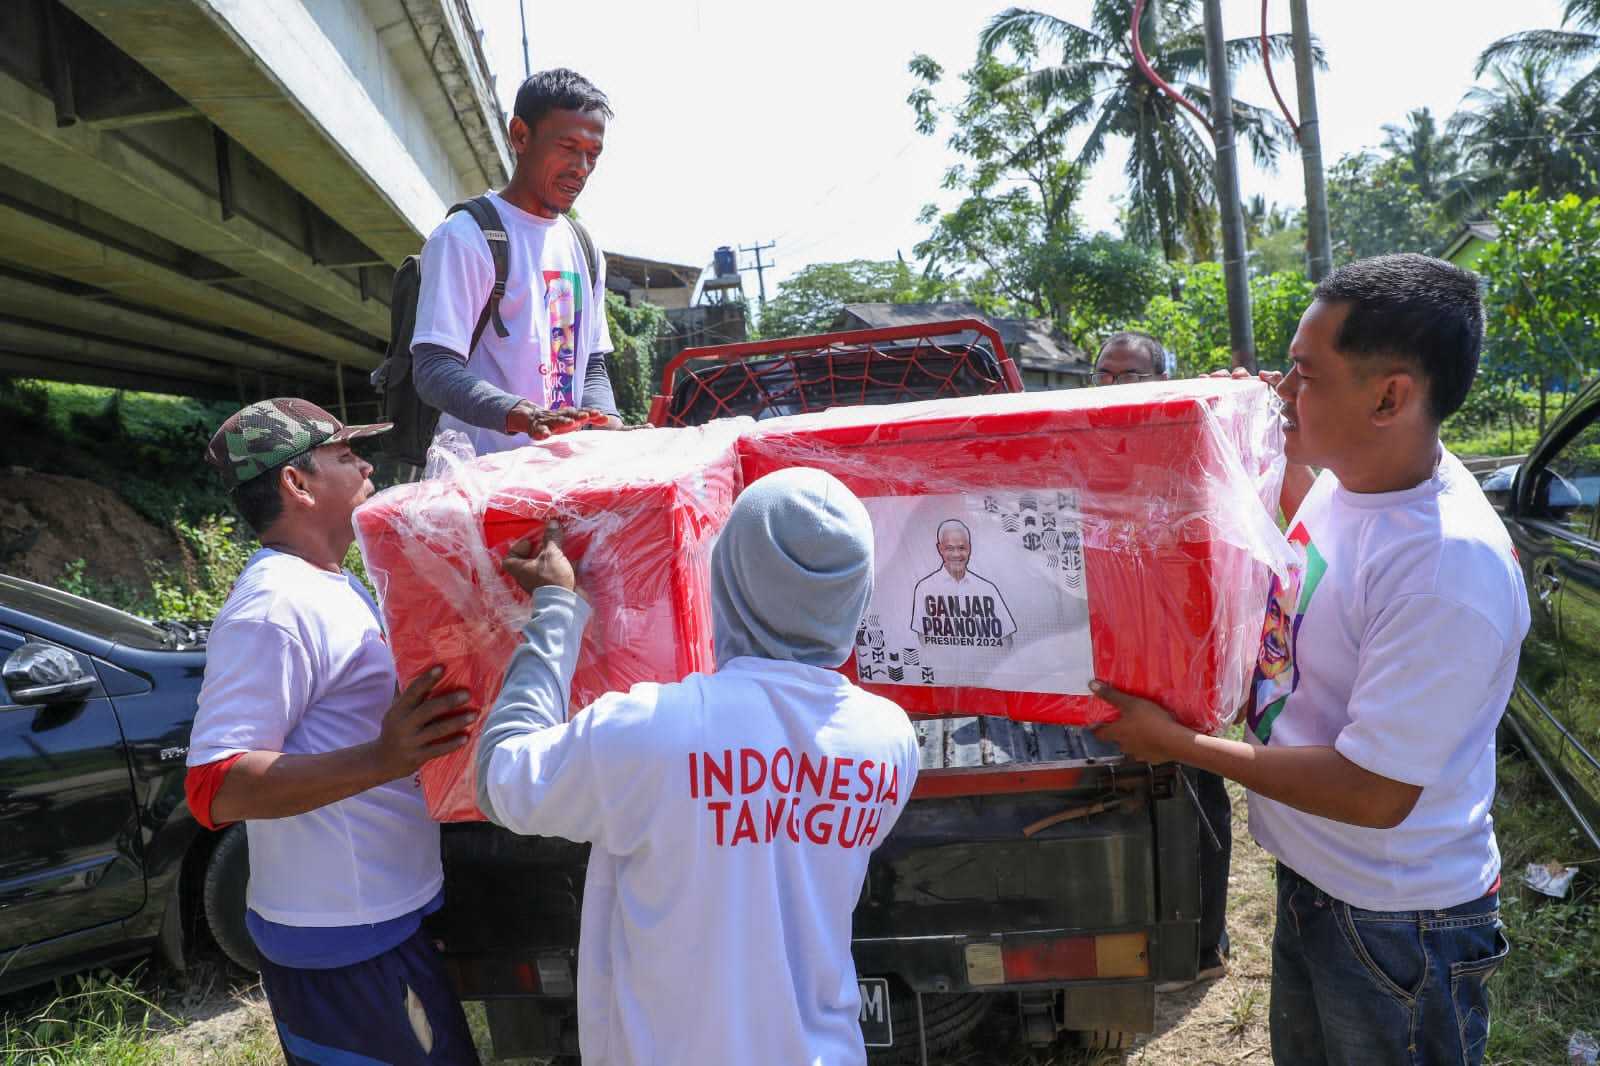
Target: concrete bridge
209, 197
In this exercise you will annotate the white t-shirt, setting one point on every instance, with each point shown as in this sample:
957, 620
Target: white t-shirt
554, 317
947, 611
1396, 642
732, 816
297, 663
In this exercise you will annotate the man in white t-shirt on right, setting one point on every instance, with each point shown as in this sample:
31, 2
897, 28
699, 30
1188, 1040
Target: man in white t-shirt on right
1388, 658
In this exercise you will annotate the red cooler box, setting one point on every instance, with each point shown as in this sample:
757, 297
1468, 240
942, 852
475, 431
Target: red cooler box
640, 511
1027, 543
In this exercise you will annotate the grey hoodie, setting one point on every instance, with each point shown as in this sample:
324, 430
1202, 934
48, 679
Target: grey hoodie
791, 573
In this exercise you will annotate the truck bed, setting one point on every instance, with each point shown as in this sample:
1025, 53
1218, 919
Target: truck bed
984, 741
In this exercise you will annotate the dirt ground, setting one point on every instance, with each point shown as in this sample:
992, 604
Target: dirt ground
48, 521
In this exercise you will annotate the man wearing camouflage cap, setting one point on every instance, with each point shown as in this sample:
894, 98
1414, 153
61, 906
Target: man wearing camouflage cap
301, 736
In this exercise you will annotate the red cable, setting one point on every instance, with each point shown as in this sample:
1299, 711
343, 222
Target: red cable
1156, 79
1266, 61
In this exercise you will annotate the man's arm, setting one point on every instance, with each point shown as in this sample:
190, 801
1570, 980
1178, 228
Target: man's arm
597, 391
444, 380
532, 702
1411, 713
270, 784
1317, 780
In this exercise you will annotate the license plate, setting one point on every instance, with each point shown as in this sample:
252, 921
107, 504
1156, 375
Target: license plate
876, 1030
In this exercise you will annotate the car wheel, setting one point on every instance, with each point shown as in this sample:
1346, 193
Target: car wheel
222, 896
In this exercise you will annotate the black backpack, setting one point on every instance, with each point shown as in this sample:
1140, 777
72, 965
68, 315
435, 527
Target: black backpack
415, 421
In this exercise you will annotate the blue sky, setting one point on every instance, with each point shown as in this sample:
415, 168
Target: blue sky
756, 120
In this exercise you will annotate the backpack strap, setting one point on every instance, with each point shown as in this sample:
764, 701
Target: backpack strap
591, 257
483, 212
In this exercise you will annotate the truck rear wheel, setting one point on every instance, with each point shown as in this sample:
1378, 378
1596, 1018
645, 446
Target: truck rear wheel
947, 1018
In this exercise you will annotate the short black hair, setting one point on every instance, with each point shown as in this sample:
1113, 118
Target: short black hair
258, 501
558, 90
1140, 342
1415, 308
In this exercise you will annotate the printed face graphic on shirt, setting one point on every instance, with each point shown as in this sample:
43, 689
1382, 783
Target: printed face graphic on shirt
1276, 675
563, 301
1274, 658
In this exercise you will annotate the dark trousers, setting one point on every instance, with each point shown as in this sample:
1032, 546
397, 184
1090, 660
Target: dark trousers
397, 1009
1353, 987
1216, 858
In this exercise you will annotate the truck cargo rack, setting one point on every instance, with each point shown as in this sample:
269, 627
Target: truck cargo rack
795, 375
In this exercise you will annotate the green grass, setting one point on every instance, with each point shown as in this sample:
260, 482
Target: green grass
116, 1019
1550, 985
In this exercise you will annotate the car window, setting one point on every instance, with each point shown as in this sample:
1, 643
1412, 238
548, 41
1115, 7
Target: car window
1567, 490
86, 616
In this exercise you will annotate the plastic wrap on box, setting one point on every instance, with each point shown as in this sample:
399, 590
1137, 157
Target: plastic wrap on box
1028, 543
639, 510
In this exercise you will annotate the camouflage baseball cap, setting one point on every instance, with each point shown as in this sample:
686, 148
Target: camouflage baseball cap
265, 434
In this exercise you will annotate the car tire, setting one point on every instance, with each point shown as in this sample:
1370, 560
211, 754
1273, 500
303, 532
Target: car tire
222, 897
947, 1017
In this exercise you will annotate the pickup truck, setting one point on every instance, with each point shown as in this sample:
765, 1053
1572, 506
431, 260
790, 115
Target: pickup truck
1035, 870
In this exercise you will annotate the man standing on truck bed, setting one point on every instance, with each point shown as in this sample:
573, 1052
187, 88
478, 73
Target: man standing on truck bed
300, 735
1124, 358
550, 358
732, 814
1387, 659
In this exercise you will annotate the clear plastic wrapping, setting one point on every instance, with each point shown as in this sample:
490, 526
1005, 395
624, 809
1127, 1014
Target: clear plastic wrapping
640, 511
1027, 543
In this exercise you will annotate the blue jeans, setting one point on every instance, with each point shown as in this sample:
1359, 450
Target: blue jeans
1352, 987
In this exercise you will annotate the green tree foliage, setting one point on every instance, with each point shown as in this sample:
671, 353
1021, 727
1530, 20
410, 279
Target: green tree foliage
1576, 41
1194, 326
1102, 280
1096, 82
1528, 129
634, 377
1275, 237
1015, 184
1374, 208
1430, 155
809, 301
1542, 300
1013, 238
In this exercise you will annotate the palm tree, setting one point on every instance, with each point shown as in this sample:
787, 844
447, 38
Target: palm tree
1432, 153
1524, 131
1171, 197
1563, 45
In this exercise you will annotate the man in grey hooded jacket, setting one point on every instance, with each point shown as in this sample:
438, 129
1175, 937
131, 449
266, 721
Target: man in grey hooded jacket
732, 814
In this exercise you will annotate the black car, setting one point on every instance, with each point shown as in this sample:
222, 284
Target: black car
99, 856
1551, 503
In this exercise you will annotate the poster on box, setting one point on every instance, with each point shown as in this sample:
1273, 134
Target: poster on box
981, 590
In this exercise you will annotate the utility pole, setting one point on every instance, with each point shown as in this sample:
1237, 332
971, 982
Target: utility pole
760, 268
527, 67
1241, 333
1319, 247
